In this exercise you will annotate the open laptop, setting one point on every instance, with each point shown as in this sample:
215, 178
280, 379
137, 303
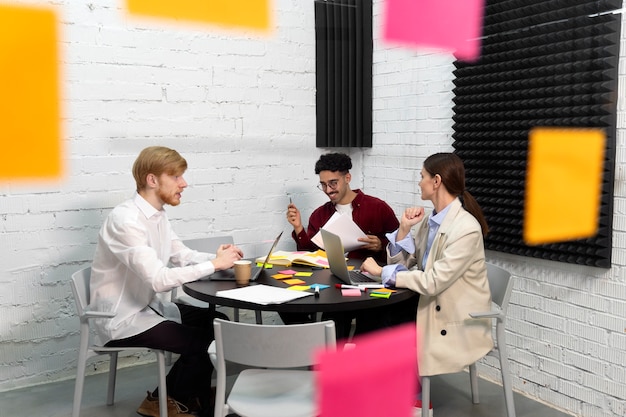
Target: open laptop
337, 262
229, 274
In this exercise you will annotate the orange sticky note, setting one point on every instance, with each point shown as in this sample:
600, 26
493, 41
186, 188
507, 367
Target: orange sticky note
29, 109
252, 14
563, 184
281, 276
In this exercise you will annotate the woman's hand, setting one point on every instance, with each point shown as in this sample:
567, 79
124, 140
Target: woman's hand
410, 217
371, 267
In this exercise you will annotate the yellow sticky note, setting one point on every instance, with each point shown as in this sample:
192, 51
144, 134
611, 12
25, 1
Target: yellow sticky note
30, 108
252, 14
563, 184
303, 274
299, 287
294, 281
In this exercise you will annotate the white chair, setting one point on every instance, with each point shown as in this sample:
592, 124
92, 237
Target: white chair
80, 288
501, 285
263, 392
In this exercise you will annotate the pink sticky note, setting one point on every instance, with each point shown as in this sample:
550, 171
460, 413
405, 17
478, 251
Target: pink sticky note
451, 25
351, 292
342, 370
287, 272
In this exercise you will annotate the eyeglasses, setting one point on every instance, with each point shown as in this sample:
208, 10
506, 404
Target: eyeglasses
332, 184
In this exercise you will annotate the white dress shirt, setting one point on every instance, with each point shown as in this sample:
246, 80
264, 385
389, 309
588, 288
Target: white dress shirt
131, 269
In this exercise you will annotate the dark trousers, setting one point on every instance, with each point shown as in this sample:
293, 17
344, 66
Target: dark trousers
368, 320
190, 376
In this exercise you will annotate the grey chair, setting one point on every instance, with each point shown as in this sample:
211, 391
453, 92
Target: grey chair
270, 388
501, 285
203, 244
87, 349
210, 245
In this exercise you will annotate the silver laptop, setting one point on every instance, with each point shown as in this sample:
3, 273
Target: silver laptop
229, 274
337, 262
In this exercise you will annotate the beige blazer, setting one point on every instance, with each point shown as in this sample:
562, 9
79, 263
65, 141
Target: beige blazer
453, 284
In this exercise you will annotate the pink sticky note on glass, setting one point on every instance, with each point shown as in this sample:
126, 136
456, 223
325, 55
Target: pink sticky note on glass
387, 355
351, 292
451, 25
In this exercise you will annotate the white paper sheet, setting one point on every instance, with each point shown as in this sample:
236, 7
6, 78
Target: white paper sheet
343, 226
262, 294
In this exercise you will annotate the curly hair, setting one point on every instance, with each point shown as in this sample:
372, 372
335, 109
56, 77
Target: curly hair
333, 162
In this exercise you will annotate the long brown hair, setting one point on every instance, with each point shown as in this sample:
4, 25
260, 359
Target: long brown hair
452, 172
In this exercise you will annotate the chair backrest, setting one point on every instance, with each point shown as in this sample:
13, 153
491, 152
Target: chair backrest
208, 244
500, 284
272, 346
80, 288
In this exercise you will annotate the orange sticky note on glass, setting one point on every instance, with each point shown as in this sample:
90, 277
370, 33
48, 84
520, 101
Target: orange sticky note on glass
251, 14
451, 25
563, 184
29, 109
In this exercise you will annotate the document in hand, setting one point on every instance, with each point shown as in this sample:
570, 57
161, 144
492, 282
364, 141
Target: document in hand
286, 258
262, 294
343, 226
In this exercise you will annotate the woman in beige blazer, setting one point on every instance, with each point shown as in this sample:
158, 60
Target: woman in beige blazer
449, 274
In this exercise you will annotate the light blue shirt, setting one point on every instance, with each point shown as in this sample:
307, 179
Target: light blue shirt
408, 244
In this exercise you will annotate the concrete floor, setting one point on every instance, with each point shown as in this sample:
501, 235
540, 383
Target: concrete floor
451, 397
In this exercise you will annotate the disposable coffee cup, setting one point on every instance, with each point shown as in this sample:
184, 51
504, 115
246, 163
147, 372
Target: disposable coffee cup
243, 269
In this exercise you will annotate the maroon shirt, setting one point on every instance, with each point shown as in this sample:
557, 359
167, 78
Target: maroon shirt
371, 214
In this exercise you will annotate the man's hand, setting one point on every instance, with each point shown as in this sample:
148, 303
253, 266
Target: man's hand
372, 243
226, 256
293, 217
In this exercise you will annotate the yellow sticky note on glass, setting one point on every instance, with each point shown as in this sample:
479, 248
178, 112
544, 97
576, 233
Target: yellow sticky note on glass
251, 14
563, 184
29, 109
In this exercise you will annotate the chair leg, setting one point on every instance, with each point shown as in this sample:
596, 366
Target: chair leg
259, 317
235, 314
425, 395
474, 383
506, 384
112, 376
80, 373
162, 384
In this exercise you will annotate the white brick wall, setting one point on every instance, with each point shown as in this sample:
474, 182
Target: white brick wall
241, 109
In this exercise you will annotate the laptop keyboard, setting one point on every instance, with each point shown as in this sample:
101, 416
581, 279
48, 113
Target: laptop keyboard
358, 276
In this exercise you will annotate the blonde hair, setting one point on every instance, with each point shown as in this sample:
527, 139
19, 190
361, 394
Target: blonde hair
157, 160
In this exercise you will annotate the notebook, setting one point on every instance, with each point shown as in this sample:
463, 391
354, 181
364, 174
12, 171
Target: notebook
229, 274
338, 265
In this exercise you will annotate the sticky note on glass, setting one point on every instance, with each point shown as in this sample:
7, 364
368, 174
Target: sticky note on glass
563, 184
251, 14
451, 25
30, 108
339, 371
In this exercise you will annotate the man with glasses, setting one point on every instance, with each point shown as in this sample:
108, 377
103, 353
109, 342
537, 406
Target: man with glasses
371, 214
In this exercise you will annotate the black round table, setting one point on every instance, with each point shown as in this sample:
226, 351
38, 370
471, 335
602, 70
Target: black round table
329, 300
